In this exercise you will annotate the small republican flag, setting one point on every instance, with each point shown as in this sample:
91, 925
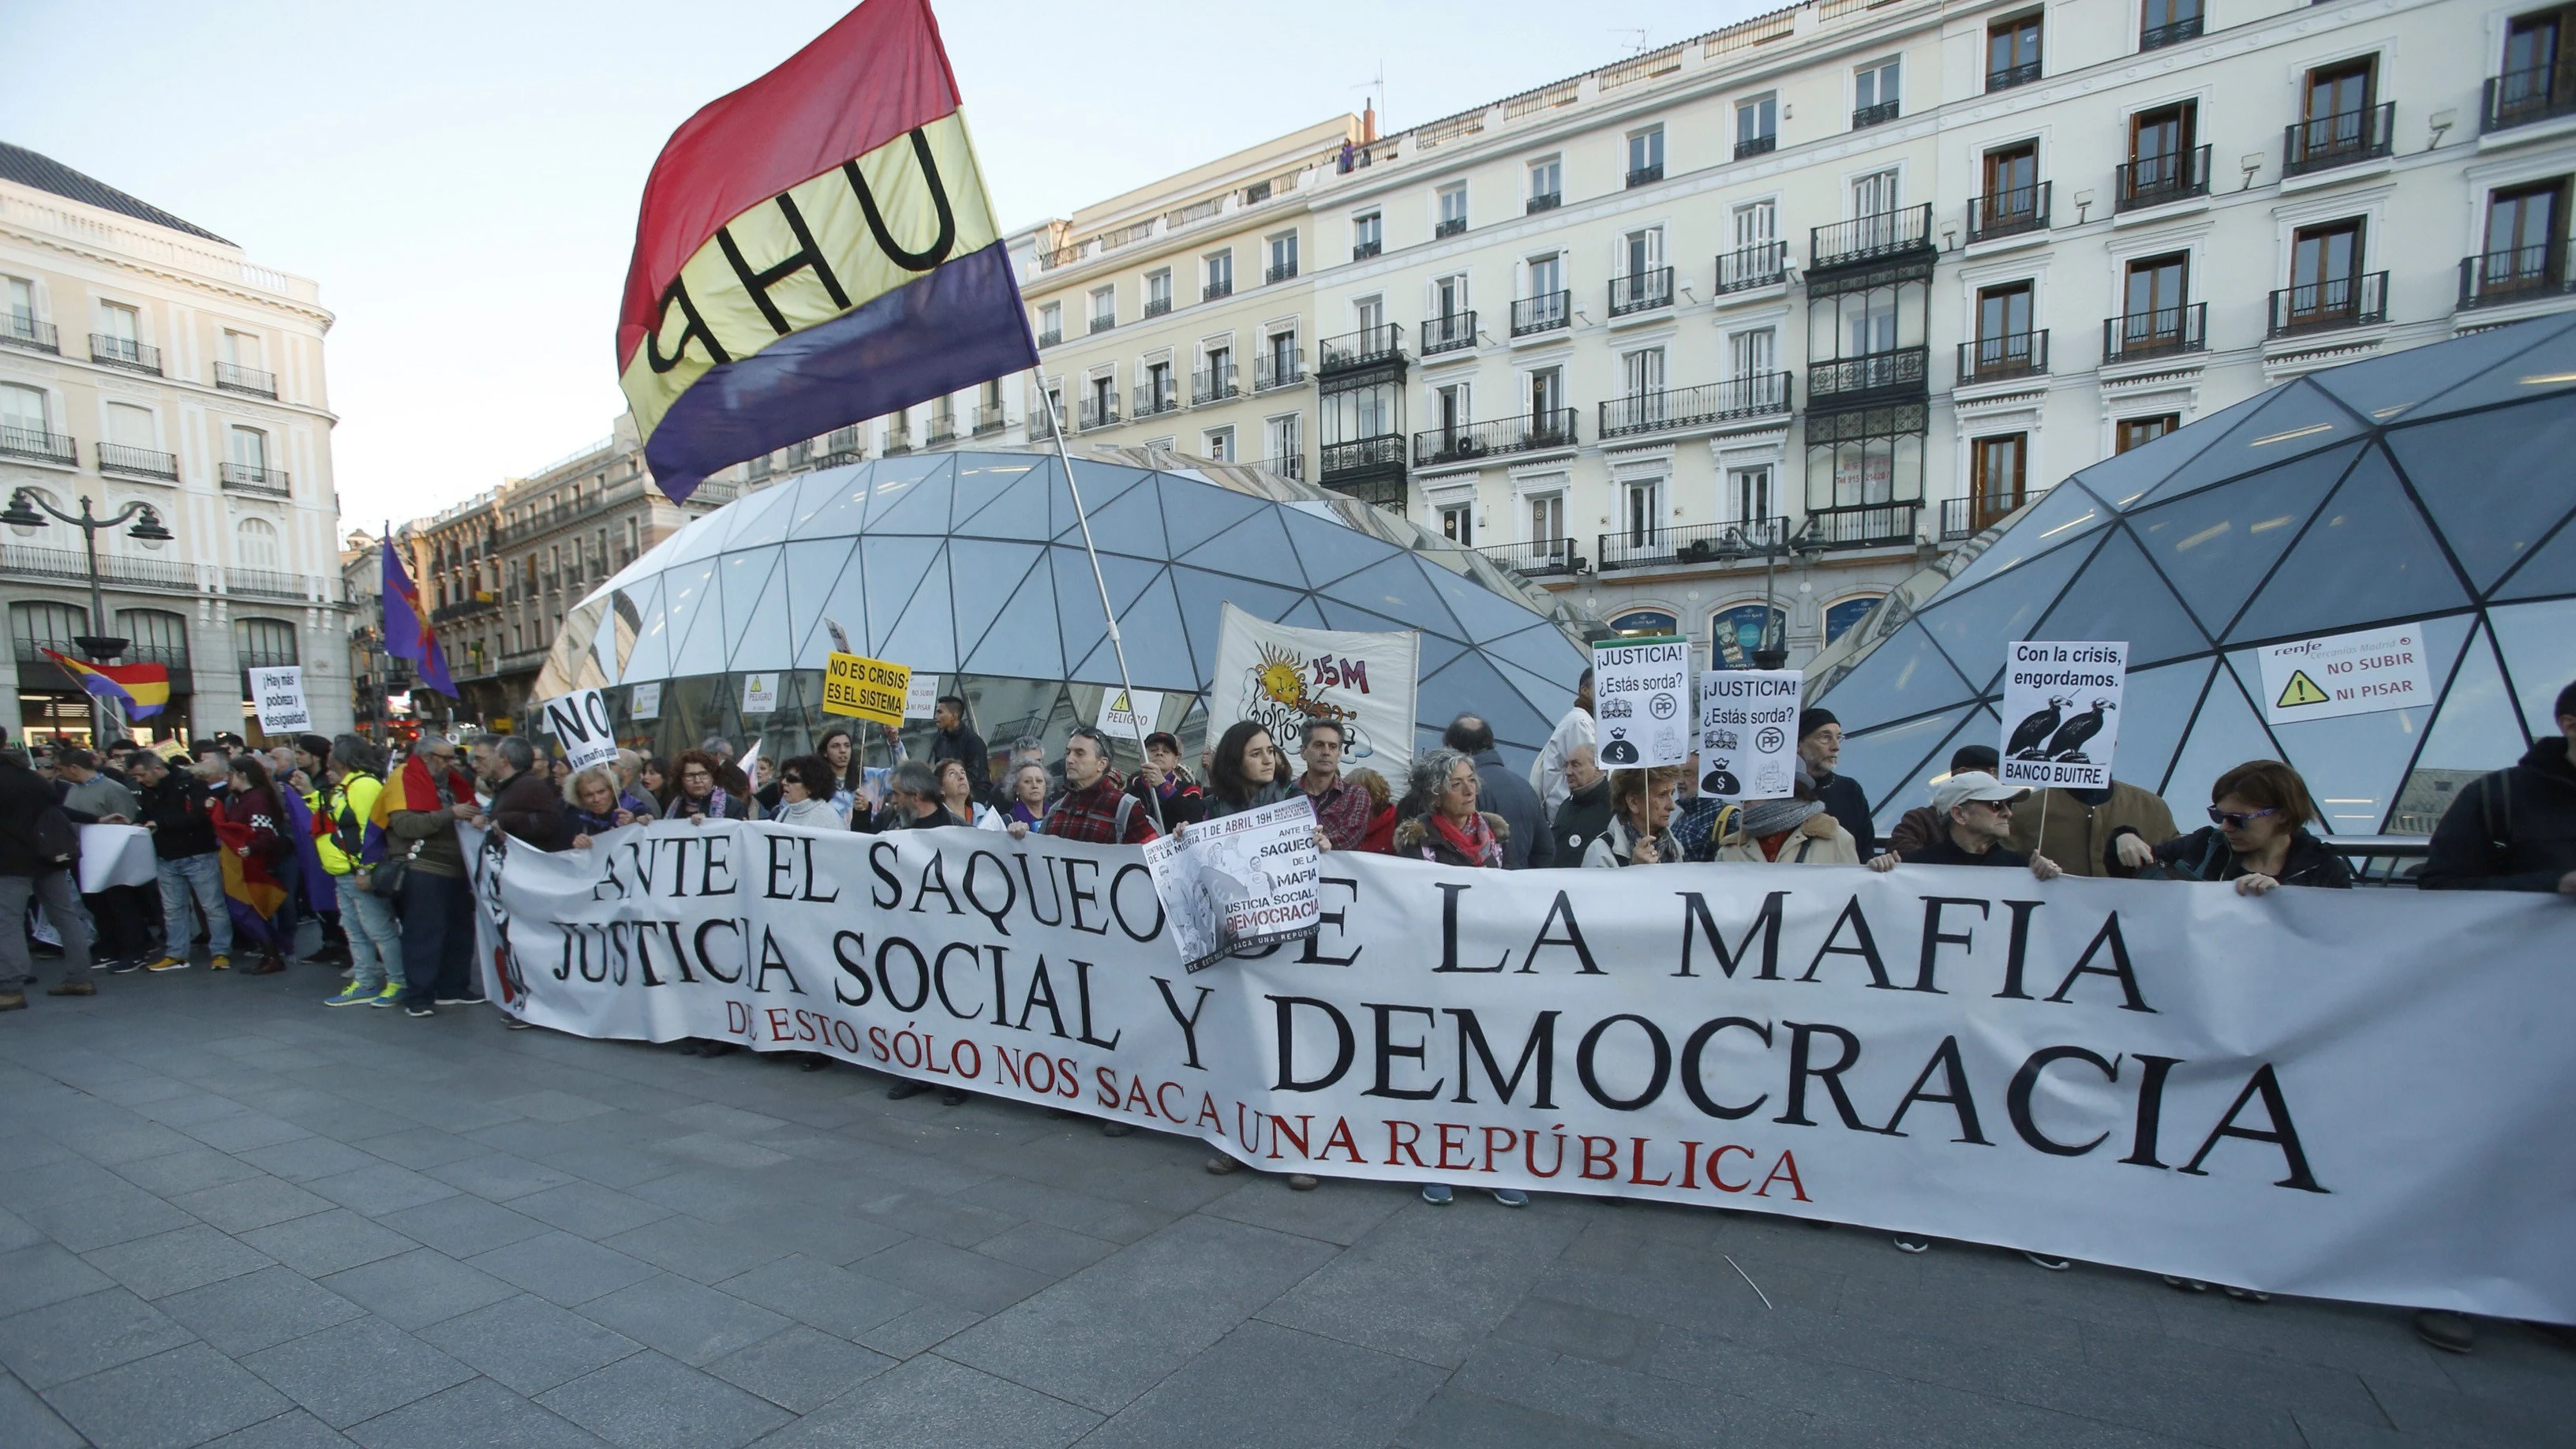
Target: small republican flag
407, 631
138, 689
815, 249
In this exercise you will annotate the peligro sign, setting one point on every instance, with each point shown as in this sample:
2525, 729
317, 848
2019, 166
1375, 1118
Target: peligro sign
2265, 1092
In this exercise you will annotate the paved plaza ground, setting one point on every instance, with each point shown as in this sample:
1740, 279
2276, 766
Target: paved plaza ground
234, 1217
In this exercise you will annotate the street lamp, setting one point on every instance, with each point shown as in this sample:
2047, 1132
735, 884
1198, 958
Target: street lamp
28, 512
1773, 651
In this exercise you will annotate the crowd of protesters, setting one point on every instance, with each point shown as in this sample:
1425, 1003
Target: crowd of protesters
247, 843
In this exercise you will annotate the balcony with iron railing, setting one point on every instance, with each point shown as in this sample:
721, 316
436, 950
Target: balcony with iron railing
264, 583
1099, 412
1756, 146
898, 435
1551, 312
124, 352
137, 462
1864, 239
1449, 226
1689, 545
1217, 290
71, 566
1052, 337
1364, 250
1545, 558
2332, 303
1763, 395
943, 429
252, 478
1872, 377
1878, 115
2010, 212
1542, 201
231, 378
1103, 323
1278, 272
2161, 332
1645, 175
1502, 437
1274, 370
21, 330
1157, 306
2160, 177
1287, 465
1641, 292
2322, 142
1213, 384
36, 445
1156, 397
2526, 97
1862, 525
1763, 264
1362, 459
2517, 274
1041, 420
2009, 354
479, 604
989, 418
1363, 348
2004, 78
2157, 37
1448, 333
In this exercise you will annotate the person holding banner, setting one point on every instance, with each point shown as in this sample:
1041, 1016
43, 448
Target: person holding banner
1979, 809
1341, 808
1243, 773
1641, 814
421, 807
699, 798
1529, 845
1093, 807
1160, 782
1028, 798
2515, 829
2257, 836
1585, 815
1795, 831
1439, 821
591, 807
805, 794
254, 854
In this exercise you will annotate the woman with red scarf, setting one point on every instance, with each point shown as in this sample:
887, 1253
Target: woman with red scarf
1440, 820
254, 852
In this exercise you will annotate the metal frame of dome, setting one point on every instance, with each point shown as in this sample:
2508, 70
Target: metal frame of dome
2427, 485
971, 564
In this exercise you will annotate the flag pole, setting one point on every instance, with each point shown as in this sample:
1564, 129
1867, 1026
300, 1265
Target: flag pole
1055, 425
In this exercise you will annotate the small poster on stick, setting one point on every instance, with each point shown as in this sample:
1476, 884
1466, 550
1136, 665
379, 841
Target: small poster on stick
2061, 713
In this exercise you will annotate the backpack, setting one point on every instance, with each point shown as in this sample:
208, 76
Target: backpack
57, 838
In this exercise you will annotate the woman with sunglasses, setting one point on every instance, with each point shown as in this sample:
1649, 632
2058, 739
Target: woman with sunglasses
2257, 836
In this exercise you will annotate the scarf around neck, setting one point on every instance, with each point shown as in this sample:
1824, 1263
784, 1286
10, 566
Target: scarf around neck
1474, 840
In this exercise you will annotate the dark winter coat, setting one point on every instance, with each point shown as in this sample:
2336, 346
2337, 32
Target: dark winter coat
2514, 830
1499, 791
181, 814
1581, 819
1848, 803
2204, 855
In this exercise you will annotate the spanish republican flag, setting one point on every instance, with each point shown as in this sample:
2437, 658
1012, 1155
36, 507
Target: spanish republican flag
815, 249
138, 689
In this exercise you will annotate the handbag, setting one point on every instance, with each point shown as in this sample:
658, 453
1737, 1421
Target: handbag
385, 879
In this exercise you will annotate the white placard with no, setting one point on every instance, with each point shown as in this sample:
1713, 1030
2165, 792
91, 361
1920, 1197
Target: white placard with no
1130, 714
1644, 715
1748, 733
280, 696
2061, 712
579, 722
2358, 673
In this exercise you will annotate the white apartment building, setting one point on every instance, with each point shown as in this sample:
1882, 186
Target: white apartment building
144, 359
1778, 312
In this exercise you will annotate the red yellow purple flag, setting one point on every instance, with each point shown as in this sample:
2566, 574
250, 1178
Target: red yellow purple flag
815, 249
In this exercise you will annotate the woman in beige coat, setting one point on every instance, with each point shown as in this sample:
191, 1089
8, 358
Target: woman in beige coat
1795, 831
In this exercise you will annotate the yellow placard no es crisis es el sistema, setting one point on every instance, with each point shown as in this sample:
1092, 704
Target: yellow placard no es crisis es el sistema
868, 689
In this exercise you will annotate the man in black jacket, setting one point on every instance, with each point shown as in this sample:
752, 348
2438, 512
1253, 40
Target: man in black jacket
28, 872
1820, 745
1531, 844
2514, 830
1586, 811
181, 816
958, 741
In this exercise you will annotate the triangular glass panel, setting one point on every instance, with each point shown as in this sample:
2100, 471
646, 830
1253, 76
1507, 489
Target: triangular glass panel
1905, 675
2549, 573
1021, 642
2226, 733
2395, 386
1306, 615
1397, 588
1195, 512
2473, 732
699, 538
684, 591
1102, 483
1258, 544
1483, 613
2546, 367
2539, 656
843, 599
2154, 709
2124, 478
2482, 479
1436, 653
2216, 545
924, 636
1892, 762
982, 479
763, 517
2298, 419
1129, 522
985, 576
1149, 625
912, 495
2366, 557
1079, 623
759, 631
650, 655
1976, 627
739, 579
811, 567
2066, 516
1203, 594
835, 505
1469, 685
697, 623
2118, 596
1329, 549
892, 570
1021, 510
1339, 614
1543, 650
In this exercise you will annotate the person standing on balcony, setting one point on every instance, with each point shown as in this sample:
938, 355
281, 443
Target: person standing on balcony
1547, 772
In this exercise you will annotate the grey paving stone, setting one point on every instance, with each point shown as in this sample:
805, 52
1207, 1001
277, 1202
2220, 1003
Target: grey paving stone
1456, 1419
648, 1401
925, 1327
182, 1397
117, 1216
185, 1170
832, 1299
1258, 1387
953, 1275
499, 1176
1432, 1282
1625, 1400
243, 1131
69, 1179
294, 1429
28, 1422
932, 1403
356, 1370
1108, 1333
588, 1209
689, 1321
1042, 1248
1336, 1212
130, 1139
819, 1231
719, 1150
307, 1158
693, 1249
529, 1344
253, 1202
553, 1106
258, 1310
800, 1369
464, 1225
328, 1242
16, 1232
477, 1412
563, 1268
175, 1262
381, 1189
64, 1341
416, 1289
420, 1148
941, 1219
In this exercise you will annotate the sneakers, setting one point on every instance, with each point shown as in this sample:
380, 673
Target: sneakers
1436, 1194
221, 962
353, 995
118, 968
418, 1011
13, 1001
1301, 1182
180, 963
515, 1024
1221, 1164
72, 987
2449, 1332
1911, 1245
1511, 1197
390, 996
460, 1001
2054, 1265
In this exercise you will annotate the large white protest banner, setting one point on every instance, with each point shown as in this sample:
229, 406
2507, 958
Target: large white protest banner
2061, 712
1748, 733
2340, 674
1280, 677
1239, 882
279, 695
579, 722
1643, 702
2276, 1092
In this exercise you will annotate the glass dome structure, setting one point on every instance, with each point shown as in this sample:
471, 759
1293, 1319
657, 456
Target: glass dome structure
2434, 485
970, 566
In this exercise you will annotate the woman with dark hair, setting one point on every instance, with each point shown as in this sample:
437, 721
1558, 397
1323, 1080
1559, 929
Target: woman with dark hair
957, 792
2257, 836
1244, 772
696, 796
655, 778
805, 795
838, 749
253, 850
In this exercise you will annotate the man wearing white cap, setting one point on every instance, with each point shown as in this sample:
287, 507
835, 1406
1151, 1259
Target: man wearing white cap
1979, 810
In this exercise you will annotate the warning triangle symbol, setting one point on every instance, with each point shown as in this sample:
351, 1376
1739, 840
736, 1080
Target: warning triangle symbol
1121, 706
2300, 690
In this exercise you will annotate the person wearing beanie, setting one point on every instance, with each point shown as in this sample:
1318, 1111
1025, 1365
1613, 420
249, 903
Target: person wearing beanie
1820, 746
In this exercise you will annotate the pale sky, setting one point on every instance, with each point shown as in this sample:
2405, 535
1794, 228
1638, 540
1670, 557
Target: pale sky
462, 179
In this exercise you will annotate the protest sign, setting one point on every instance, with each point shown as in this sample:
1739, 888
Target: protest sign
644, 701
1239, 882
1748, 733
1130, 714
2270, 1092
279, 694
579, 722
869, 689
2340, 674
2061, 713
760, 693
1280, 677
1643, 715
921, 697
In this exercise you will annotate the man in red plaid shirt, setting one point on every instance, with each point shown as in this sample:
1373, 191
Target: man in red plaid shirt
1341, 808
1093, 807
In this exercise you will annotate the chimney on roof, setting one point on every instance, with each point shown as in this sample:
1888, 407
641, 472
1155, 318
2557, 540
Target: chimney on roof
1368, 122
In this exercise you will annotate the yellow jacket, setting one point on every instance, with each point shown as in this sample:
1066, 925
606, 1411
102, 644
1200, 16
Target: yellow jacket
351, 801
